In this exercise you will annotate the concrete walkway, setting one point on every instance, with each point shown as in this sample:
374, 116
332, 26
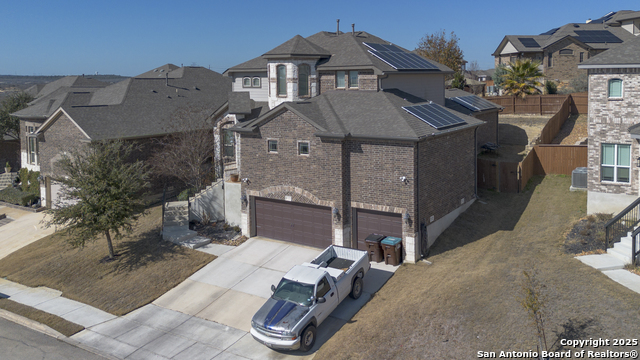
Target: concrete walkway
25, 228
207, 316
613, 267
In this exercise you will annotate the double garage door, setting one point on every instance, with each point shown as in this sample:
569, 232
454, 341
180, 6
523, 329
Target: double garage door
294, 222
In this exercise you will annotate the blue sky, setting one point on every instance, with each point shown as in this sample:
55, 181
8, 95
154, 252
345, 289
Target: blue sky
130, 37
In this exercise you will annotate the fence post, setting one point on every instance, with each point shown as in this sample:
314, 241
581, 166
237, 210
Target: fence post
540, 103
513, 100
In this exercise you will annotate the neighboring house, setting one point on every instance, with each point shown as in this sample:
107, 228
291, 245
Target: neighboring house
614, 128
355, 139
9, 152
137, 109
561, 49
481, 109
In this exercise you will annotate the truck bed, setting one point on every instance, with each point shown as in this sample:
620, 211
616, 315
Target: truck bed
337, 260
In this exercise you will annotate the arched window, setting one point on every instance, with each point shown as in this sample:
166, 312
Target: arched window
615, 88
303, 80
281, 71
566, 52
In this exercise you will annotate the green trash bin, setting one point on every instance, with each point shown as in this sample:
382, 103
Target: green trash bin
392, 247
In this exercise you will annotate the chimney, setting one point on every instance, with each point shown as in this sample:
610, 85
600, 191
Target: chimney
353, 29
338, 27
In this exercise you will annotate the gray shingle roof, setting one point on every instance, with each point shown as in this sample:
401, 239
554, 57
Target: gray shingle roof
367, 114
346, 51
297, 46
240, 102
451, 93
567, 30
626, 54
45, 106
143, 106
634, 130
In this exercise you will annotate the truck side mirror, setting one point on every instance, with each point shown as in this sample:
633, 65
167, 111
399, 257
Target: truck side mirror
273, 288
321, 300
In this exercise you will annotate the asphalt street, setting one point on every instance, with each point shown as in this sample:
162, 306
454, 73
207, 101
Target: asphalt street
20, 343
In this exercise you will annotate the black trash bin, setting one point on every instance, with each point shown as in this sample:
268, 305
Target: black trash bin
373, 247
392, 247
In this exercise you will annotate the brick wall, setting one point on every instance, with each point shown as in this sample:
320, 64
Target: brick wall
327, 81
488, 132
446, 174
62, 135
564, 68
367, 80
609, 121
10, 151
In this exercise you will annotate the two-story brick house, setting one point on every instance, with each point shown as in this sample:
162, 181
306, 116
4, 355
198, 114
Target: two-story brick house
614, 128
354, 139
561, 50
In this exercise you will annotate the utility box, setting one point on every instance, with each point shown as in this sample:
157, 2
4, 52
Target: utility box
579, 179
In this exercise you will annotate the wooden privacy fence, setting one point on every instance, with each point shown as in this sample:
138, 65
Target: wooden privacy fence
542, 104
543, 159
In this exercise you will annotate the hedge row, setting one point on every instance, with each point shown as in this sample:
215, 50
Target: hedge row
14, 196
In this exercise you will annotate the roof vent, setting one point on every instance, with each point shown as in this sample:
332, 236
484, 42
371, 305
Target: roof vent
195, 88
576, 25
338, 27
155, 70
153, 91
353, 29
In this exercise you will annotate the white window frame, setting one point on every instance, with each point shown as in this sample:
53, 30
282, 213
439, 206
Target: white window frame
244, 79
357, 79
615, 166
32, 150
281, 83
621, 89
269, 141
253, 82
344, 79
308, 147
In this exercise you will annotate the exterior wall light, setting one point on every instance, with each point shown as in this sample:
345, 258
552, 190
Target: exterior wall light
405, 217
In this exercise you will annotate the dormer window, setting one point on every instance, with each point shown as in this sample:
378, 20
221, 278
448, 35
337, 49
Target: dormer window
340, 75
248, 82
255, 82
303, 80
281, 71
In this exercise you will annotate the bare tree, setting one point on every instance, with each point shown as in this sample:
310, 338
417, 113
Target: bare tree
187, 153
474, 69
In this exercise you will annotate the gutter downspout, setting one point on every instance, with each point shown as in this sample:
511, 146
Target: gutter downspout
475, 158
380, 78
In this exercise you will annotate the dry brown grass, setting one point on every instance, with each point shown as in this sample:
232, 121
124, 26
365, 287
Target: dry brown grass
466, 301
57, 323
573, 130
145, 268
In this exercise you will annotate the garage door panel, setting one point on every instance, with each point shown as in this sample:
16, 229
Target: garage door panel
295, 222
375, 222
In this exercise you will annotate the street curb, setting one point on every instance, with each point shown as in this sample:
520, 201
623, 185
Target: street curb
44, 329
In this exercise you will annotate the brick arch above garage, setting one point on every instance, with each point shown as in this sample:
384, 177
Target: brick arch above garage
297, 194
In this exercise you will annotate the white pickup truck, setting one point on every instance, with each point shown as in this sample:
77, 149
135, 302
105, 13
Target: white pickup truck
307, 295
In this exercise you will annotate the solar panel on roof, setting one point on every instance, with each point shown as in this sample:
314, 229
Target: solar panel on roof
529, 42
474, 103
399, 59
435, 115
597, 36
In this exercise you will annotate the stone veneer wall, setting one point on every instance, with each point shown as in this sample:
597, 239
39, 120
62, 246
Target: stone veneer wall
367, 80
609, 120
292, 80
564, 68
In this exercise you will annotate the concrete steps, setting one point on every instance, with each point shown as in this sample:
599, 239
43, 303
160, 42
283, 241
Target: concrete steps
6, 179
622, 249
176, 226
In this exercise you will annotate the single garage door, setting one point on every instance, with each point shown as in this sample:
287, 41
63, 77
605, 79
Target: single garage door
294, 222
376, 222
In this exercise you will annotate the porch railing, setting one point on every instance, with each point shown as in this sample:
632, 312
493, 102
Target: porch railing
622, 223
635, 247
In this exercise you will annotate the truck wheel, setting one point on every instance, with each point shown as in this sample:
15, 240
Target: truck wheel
308, 338
356, 289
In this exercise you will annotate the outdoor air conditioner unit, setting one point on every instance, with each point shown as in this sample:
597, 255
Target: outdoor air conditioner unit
579, 179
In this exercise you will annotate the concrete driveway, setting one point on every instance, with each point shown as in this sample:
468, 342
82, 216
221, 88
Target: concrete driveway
208, 316
229, 290
23, 229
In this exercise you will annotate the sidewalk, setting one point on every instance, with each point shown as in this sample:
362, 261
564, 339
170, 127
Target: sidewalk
613, 268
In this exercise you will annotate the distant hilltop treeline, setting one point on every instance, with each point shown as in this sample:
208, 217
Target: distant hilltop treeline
23, 82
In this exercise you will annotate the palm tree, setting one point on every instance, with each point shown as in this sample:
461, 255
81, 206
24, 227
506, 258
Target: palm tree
521, 78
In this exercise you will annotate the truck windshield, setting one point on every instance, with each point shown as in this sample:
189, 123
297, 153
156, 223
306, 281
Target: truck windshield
294, 292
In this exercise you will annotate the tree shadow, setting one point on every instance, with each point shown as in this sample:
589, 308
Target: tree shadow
512, 135
492, 212
145, 249
572, 329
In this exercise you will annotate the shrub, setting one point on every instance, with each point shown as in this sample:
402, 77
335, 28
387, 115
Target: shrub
185, 194
236, 228
17, 197
29, 181
552, 88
